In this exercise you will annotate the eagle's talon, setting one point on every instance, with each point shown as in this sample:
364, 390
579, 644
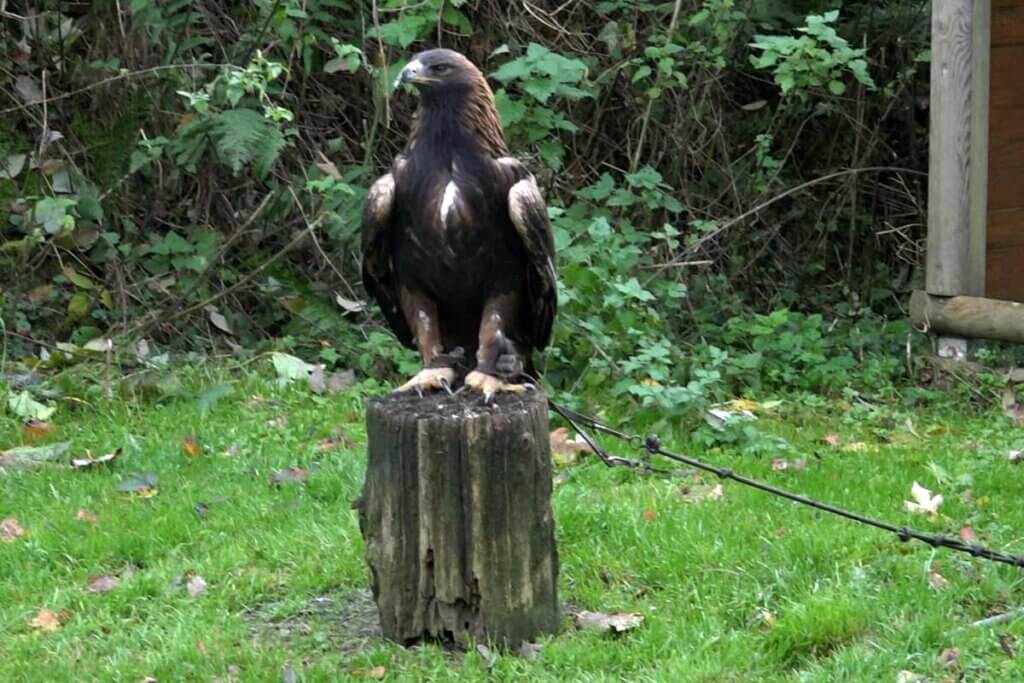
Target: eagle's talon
489, 385
429, 379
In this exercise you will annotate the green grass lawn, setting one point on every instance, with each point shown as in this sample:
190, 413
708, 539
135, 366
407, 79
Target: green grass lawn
741, 587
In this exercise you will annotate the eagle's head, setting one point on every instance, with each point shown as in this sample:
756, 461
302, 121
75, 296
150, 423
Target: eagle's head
441, 72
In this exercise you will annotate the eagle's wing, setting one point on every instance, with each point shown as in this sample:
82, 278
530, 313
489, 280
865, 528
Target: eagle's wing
378, 250
529, 216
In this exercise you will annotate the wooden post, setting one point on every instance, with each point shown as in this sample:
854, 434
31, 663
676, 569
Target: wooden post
958, 149
456, 514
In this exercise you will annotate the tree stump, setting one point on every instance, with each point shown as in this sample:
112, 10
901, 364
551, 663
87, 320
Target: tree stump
456, 515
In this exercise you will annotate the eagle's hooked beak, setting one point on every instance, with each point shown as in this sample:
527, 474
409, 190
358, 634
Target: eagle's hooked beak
412, 73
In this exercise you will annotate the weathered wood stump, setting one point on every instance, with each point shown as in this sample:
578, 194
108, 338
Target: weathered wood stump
456, 514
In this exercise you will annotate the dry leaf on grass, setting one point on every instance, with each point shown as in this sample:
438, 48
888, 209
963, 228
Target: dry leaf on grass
10, 529
566, 451
86, 516
103, 584
196, 586
376, 673
291, 475
700, 492
781, 464
924, 501
36, 430
615, 622
89, 461
190, 444
48, 621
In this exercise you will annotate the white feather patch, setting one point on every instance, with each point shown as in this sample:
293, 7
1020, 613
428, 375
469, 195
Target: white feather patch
448, 201
521, 193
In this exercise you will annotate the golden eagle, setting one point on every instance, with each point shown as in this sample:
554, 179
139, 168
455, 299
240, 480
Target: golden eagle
457, 247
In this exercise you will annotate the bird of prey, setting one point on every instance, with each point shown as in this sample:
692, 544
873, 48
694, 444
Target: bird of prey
457, 247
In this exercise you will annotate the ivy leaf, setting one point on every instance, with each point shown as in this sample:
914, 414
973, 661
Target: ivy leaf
79, 280
52, 214
27, 408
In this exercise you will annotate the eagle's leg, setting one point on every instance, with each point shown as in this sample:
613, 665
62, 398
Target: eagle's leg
496, 355
437, 372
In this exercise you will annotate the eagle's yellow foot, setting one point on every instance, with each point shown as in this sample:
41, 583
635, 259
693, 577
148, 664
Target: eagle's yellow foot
429, 379
489, 385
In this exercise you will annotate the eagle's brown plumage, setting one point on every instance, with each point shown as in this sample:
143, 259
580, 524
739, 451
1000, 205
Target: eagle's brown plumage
457, 248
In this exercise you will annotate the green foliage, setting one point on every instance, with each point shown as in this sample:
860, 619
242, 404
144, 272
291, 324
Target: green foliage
814, 60
226, 153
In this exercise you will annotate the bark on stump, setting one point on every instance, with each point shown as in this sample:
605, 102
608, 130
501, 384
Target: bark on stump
456, 514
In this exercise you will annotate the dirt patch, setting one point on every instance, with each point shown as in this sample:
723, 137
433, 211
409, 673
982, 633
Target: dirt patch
339, 622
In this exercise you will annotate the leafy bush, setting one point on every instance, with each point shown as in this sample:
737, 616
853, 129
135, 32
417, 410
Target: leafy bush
196, 176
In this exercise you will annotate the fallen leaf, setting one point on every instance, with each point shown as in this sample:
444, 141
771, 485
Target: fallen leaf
766, 616
719, 418
142, 485
566, 451
279, 422
923, 501
616, 622
376, 673
858, 447
908, 677
700, 492
832, 440
289, 368
86, 516
32, 456
10, 530
937, 581
219, 321
27, 408
949, 659
1006, 644
560, 479
967, 535
196, 586
649, 515
754, 106
1015, 456
86, 462
201, 648
148, 679
490, 658
290, 475
191, 446
37, 430
529, 650
28, 89
350, 306
781, 464
103, 584
48, 621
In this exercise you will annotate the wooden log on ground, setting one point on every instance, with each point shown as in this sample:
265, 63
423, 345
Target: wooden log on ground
968, 316
456, 514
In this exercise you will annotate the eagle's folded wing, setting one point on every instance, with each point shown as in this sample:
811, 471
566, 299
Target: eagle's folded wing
529, 216
378, 267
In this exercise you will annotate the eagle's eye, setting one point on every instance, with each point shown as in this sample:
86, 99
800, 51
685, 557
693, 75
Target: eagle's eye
441, 69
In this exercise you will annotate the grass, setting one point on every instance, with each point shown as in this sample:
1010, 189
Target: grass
738, 588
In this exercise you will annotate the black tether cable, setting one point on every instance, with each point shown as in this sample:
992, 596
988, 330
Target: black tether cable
652, 444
